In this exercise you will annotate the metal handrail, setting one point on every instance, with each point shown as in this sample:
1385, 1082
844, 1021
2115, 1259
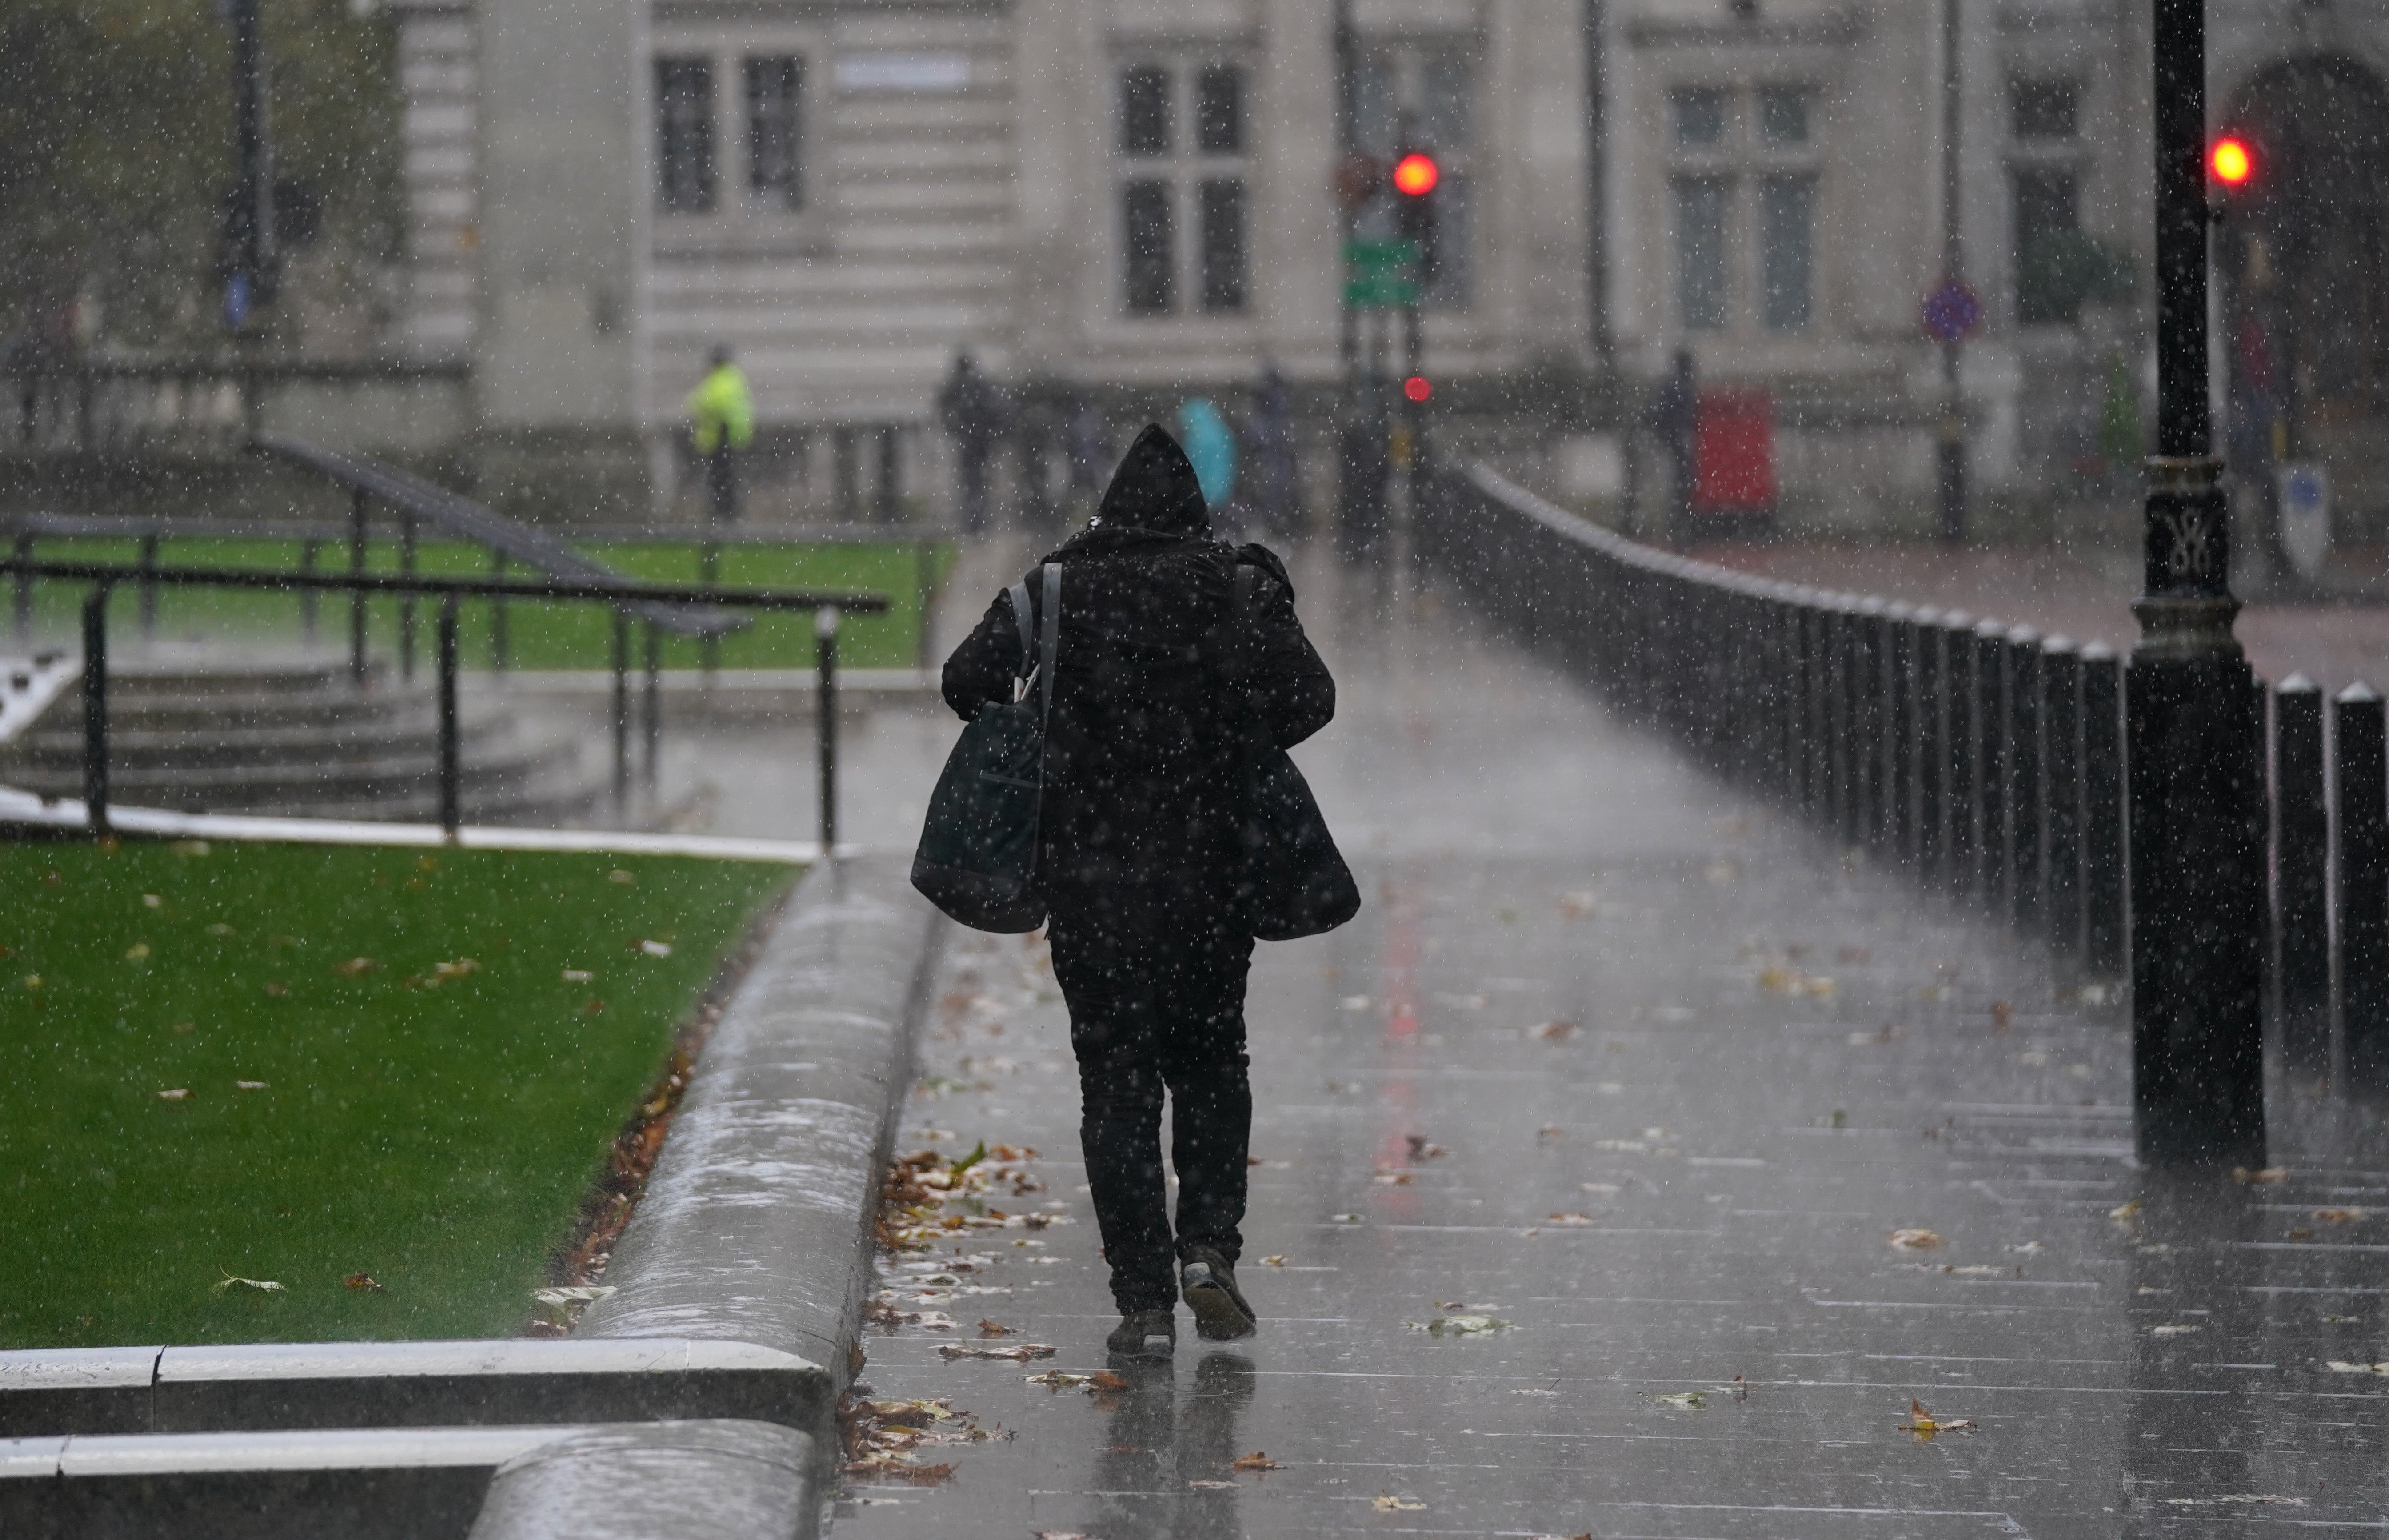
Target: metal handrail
624, 597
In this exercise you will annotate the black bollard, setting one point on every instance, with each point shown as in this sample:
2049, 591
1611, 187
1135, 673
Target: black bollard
1957, 753
1990, 765
452, 809
95, 708
2360, 765
1865, 823
2301, 874
1926, 750
1898, 810
2102, 812
2061, 795
2021, 692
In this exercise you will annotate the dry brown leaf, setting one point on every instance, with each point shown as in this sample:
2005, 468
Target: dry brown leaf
2340, 1216
362, 1282
1914, 1240
1924, 1424
1257, 1460
1397, 1505
990, 1328
1553, 1031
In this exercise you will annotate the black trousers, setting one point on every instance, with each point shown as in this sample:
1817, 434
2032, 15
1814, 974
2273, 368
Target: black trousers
722, 485
1156, 998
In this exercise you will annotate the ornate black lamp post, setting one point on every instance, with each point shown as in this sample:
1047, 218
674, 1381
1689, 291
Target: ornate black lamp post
2193, 716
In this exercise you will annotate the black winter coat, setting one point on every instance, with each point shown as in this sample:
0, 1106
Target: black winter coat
1155, 691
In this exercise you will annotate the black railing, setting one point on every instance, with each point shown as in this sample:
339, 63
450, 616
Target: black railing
1986, 759
625, 598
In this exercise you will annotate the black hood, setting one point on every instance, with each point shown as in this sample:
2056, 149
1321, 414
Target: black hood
1155, 489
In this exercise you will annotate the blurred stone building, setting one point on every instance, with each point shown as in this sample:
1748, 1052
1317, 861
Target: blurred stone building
1135, 199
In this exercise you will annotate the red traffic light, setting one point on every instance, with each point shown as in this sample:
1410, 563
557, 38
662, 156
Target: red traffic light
1417, 389
1417, 175
2232, 161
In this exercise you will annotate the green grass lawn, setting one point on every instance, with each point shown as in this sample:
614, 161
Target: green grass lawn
435, 1130
539, 635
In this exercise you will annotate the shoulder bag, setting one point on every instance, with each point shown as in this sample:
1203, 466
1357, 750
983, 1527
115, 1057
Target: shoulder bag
1295, 882
978, 856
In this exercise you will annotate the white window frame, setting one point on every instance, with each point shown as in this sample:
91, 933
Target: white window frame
1183, 169
1744, 160
737, 223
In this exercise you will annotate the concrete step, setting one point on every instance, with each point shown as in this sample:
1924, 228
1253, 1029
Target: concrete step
138, 742
303, 786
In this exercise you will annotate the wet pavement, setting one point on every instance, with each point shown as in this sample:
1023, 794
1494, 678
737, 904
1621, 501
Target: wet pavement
1667, 1091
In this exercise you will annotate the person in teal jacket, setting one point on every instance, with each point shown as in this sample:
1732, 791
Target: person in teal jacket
721, 425
1211, 445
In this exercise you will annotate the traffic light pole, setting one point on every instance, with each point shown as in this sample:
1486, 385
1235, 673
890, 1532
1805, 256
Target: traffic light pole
2193, 716
250, 256
1950, 480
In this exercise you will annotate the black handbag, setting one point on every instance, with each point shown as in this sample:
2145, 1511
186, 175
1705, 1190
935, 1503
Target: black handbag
1295, 882
978, 856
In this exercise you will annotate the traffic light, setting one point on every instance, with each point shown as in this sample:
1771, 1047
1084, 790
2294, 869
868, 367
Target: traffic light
1415, 178
1416, 389
2232, 162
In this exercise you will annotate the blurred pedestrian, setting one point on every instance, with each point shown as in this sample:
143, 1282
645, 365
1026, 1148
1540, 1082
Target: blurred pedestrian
1365, 457
1160, 678
975, 413
1675, 416
1269, 438
720, 427
1090, 446
1211, 447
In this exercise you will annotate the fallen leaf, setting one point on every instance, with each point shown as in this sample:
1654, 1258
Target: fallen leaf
150, 900
1693, 1400
1553, 1031
1422, 1148
1257, 1460
2338, 1366
136, 951
262, 1285
2271, 1176
1569, 1219
1924, 1424
1019, 1353
1273, 1261
1105, 1381
355, 966
990, 1328
362, 1282
2340, 1216
2003, 1015
2125, 1213
578, 975
1914, 1241
1345, 1220
248, 1085
555, 1306
1212, 1486
1462, 1326
457, 969
655, 948
1397, 1505
1052, 1379
179, 1093
2171, 1331
1395, 1179
620, 876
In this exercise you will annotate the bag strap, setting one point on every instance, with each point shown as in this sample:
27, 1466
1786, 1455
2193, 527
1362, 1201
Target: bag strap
1021, 617
1050, 644
1249, 583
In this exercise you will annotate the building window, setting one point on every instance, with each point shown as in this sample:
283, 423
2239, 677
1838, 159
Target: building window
1151, 266
1745, 207
684, 136
1421, 95
2045, 110
1144, 111
1224, 245
1185, 214
1700, 117
2047, 224
775, 178
1785, 215
1701, 209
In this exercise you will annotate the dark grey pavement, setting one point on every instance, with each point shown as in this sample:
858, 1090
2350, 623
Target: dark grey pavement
1614, 1058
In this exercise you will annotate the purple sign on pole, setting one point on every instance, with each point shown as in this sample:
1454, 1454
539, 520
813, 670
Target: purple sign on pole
1951, 310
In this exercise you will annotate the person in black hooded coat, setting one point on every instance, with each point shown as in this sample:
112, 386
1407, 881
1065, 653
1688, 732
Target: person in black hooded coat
1157, 684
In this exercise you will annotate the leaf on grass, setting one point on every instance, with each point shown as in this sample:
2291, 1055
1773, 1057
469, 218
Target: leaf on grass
1257, 1460
150, 900
362, 1282
1690, 1400
655, 948
262, 1285
578, 975
457, 969
1914, 1241
275, 987
2340, 1367
1924, 1424
180, 1093
248, 1085
1019, 1353
355, 966
1397, 1505
623, 877
136, 951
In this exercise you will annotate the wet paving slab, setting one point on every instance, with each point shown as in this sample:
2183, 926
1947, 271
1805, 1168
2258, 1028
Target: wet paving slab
1636, 1164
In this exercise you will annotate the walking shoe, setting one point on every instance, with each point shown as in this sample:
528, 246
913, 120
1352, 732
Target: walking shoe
1145, 1334
1209, 1285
